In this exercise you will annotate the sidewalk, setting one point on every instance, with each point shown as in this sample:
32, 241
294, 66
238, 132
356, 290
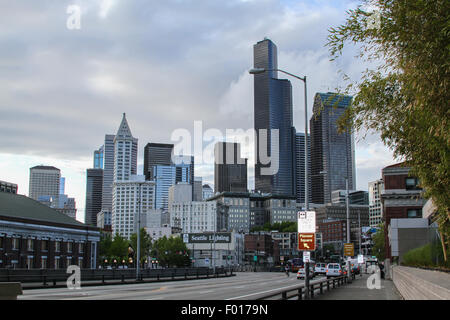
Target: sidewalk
439, 278
358, 290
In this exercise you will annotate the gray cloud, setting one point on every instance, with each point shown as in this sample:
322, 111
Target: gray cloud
164, 63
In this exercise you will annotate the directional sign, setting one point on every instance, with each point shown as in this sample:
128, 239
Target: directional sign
349, 249
306, 256
306, 241
306, 221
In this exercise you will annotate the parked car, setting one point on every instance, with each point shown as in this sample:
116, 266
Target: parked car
320, 268
301, 272
334, 270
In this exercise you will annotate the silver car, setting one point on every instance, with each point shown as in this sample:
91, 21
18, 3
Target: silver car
334, 270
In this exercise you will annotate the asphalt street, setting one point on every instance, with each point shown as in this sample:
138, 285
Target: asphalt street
244, 286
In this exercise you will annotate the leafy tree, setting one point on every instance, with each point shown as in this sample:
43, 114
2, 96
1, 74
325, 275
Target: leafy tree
104, 246
171, 251
119, 248
405, 97
378, 248
145, 241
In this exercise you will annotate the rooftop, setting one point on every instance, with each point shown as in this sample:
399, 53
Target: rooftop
19, 206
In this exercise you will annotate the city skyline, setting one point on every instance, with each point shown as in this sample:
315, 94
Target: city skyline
94, 96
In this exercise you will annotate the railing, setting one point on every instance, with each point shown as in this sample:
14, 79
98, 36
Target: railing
49, 277
299, 291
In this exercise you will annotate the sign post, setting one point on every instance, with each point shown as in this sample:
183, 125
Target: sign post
306, 240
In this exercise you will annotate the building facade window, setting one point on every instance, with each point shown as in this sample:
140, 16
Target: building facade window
57, 246
412, 183
69, 246
30, 244
15, 243
43, 262
44, 245
414, 213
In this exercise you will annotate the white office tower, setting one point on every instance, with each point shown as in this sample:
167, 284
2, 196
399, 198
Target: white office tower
133, 196
376, 188
194, 216
180, 192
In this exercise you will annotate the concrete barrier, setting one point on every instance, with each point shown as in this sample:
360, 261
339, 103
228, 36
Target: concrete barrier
413, 287
10, 290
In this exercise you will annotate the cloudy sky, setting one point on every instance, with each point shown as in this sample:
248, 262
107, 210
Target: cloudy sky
165, 64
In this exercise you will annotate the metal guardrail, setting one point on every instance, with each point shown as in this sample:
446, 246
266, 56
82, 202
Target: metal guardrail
48, 277
300, 290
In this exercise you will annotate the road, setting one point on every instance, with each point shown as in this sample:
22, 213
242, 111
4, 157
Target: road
244, 286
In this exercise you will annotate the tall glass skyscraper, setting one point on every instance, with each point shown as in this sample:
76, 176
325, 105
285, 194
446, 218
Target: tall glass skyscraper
98, 158
332, 153
108, 172
300, 167
273, 110
94, 183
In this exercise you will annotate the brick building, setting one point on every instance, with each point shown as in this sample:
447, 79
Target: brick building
333, 231
35, 236
401, 197
264, 247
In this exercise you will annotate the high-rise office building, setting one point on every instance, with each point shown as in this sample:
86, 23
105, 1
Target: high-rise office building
184, 168
272, 115
98, 158
332, 153
230, 170
125, 152
108, 172
164, 177
376, 188
300, 167
207, 192
197, 189
156, 154
45, 181
93, 205
132, 195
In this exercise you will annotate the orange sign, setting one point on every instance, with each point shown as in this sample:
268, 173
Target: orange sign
306, 241
349, 249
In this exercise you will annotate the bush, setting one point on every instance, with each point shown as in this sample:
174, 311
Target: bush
429, 255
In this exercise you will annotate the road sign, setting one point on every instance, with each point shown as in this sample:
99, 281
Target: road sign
306, 221
360, 258
306, 241
349, 249
306, 256
206, 261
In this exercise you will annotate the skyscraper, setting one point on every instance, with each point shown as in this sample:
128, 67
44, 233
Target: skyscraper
300, 167
332, 153
273, 111
108, 172
376, 188
156, 154
230, 170
45, 181
98, 158
125, 152
94, 183
132, 195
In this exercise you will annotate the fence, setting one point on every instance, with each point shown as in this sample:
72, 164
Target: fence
299, 291
48, 277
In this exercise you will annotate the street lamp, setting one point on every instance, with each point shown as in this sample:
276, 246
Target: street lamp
256, 71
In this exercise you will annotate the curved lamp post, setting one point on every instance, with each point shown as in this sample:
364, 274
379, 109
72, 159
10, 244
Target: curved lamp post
256, 71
